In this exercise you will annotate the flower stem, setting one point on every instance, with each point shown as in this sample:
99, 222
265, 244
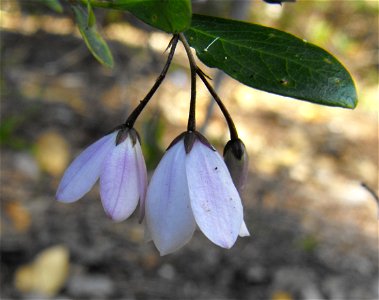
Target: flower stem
136, 112
192, 112
228, 118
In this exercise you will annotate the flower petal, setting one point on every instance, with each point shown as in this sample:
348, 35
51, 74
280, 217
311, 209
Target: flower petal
119, 188
244, 231
84, 171
142, 179
215, 202
168, 211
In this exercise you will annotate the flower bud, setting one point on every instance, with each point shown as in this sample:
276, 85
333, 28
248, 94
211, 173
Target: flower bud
237, 161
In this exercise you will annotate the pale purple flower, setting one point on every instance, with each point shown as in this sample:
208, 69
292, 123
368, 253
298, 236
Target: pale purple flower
192, 187
118, 161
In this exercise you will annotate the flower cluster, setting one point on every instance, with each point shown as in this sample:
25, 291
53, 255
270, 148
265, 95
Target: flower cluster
192, 187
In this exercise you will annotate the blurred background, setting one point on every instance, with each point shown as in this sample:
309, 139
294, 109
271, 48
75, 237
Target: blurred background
313, 225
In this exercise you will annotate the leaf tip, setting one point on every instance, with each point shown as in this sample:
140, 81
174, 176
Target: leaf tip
110, 63
351, 102
351, 99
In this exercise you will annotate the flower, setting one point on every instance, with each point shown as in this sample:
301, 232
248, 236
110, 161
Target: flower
117, 159
192, 186
237, 161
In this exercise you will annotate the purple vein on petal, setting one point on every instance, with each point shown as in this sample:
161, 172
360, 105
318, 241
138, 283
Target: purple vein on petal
119, 183
118, 180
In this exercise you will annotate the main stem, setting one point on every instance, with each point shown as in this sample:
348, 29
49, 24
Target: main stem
136, 112
192, 111
228, 118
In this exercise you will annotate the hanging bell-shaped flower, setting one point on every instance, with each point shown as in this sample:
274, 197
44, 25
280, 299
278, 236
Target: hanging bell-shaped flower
117, 159
192, 187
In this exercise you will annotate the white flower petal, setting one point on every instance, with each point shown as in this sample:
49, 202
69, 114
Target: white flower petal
215, 202
119, 189
244, 231
84, 171
142, 179
168, 211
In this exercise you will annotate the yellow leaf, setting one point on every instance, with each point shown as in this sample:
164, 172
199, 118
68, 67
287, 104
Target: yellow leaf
46, 275
19, 215
52, 153
281, 295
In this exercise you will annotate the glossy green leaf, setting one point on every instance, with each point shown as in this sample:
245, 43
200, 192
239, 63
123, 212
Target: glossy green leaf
54, 5
167, 15
92, 38
272, 60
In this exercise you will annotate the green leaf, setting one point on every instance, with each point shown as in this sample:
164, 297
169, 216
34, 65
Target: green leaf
271, 60
8, 126
92, 38
54, 5
168, 15
91, 15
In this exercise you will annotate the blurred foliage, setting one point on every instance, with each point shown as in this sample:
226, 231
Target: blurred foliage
8, 126
55, 5
152, 132
308, 243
